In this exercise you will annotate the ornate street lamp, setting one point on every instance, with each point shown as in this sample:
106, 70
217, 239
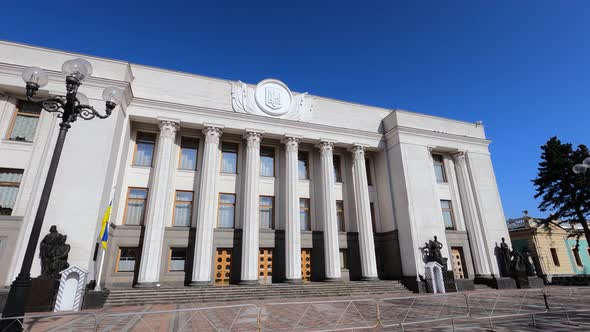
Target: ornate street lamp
70, 107
581, 168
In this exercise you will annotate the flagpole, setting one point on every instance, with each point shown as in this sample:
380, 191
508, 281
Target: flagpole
103, 250
98, 288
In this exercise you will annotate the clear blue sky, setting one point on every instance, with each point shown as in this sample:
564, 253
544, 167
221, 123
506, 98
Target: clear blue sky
522, 67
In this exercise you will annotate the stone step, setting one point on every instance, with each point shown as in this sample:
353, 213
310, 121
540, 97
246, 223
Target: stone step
121, 297
123, 302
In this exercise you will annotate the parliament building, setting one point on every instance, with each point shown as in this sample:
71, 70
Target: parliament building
215, 181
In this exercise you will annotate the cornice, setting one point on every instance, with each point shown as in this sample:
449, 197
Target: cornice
436, 135
288, 125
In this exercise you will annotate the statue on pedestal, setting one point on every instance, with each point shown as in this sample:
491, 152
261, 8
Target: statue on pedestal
434, 254
53, 252
504, 259
528, 263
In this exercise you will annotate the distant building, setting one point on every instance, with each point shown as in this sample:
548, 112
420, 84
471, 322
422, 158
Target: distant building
552, 246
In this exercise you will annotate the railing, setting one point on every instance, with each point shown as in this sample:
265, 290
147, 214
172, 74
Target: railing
318, 316
240, 317
457, 310
71, 321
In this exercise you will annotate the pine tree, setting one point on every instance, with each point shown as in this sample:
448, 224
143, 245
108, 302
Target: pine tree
564, 193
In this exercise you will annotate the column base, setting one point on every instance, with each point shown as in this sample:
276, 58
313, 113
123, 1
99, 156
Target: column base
147, 285
370, 279
333, 279
294, 281
248, 282
200, 284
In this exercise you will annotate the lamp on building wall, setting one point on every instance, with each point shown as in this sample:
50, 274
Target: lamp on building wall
70, 107
581, 168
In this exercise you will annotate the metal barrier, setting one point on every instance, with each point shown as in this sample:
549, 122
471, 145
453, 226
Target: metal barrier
318, 316
506, 302
241, 317
457, 310
71, 321
403, 311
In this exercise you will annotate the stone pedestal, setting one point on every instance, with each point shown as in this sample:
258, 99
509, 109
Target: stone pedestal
504, 283
464, 285
449, 280
521, 279
42, 294
536, 282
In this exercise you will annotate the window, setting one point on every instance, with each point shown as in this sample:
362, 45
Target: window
24, 123
439, 168
177, 259
576, 253
267, 161
229, 158
340, 215
304, 219
337, 172
343, 259
9, 182
554, 256
369, 174
136, 198
373, 221
188, 153
303, 165
126, 259
447, 214
227, 206
266, 212
144, 149
183, 208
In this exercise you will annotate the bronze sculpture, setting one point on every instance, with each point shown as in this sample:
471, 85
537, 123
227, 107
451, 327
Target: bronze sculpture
53, 252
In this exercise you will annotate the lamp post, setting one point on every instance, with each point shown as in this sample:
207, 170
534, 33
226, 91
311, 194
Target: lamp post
70, 107
581, 168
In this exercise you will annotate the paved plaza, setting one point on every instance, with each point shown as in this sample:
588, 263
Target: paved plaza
513, 310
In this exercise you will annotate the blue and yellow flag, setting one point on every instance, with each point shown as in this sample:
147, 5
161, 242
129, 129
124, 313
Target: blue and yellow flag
104, 233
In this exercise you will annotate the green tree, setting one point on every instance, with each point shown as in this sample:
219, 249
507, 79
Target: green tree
564, 193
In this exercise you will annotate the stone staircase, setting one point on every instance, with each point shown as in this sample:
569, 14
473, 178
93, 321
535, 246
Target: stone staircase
123, 297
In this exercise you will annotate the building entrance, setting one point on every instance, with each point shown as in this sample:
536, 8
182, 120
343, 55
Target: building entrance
306, 265
222, 266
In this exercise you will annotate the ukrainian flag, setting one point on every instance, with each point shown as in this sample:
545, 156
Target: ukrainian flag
104, 232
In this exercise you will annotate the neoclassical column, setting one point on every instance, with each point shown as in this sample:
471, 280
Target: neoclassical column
158, 210
250, 236
292, 223
363, 214
207, 212
477, 240
328, 203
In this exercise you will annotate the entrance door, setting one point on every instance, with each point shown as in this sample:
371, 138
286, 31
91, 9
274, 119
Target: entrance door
222, 266
458, 262
306, 265
265, 265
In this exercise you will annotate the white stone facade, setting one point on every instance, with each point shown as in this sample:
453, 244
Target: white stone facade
389, 196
